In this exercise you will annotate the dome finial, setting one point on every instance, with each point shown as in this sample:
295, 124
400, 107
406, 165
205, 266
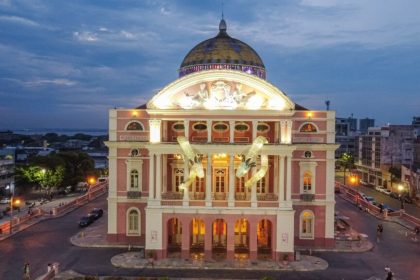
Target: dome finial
222, 24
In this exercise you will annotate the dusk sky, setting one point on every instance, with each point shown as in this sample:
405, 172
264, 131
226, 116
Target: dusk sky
64, 63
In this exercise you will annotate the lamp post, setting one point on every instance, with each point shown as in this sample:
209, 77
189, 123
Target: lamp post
400, 189
12, 192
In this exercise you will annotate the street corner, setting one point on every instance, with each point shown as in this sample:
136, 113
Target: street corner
130, 260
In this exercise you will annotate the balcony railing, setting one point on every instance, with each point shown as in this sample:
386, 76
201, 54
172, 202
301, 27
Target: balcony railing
133, 194
267, 197
307, 197
172, 195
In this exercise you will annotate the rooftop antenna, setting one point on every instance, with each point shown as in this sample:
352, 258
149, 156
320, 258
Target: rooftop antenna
327, 103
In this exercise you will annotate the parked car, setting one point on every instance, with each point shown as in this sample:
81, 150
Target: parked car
5, 201
408, 199
387, 192
389, 209
86, 220
394, 195
369, 199
379, 188
96, 213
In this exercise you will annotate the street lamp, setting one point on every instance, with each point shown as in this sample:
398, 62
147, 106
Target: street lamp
11, 187
400, 189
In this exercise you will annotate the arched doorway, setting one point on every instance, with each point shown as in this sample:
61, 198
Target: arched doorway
219, 238
198, 231
242, 236
264, 238
174, 235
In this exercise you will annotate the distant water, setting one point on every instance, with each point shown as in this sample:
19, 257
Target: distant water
61, 131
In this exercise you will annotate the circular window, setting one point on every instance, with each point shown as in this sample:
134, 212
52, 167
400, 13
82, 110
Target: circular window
134, 152
263, 127
241, 127
200, 126
308, 154
178, 126
220, 127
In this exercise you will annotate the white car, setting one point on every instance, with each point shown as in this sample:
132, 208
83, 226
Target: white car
5, 201
379, 189
386, 191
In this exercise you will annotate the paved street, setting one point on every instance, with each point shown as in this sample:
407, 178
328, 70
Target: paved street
392, 202
48, 241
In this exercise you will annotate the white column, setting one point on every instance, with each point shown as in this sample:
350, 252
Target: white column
281, 180
231, 198
187, 129
254, 201
155, 128
282, 131
289, 179
289, 131
186, 196
231, 131
209, 129
164, 173
158, 176
275, 176
151, 176
254, 129
208, 182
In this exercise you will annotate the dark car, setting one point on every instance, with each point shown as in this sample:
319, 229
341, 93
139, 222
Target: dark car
394, 195
96, 213
408, 199
86, 220
389, 209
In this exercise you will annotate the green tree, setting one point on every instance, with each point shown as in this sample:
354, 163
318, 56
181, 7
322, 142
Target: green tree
347, 163
395, 173
78, 166
50, 179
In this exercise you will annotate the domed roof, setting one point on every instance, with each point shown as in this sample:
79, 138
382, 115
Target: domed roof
222, 52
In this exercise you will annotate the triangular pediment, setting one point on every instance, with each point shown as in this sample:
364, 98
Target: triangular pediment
221, 90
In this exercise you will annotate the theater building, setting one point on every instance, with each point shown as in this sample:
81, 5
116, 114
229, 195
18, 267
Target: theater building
174, 163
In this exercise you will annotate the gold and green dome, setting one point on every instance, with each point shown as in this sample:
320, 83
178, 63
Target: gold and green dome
223, 52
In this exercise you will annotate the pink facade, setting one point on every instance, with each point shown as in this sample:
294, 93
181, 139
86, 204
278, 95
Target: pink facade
188, 175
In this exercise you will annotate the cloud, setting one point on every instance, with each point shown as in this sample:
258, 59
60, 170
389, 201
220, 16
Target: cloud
19, 20
85, 36
56, 82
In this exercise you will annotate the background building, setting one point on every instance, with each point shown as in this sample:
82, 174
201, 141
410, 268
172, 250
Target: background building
365, 123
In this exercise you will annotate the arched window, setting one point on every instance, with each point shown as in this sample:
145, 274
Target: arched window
308, 127
134, 179
307, 181
135, 126
133, 221
307, 224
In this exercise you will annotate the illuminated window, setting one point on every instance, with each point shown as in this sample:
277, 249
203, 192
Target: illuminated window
307, 225
133, 222
307, 181
220, 179
178, 177
134, 179
308, 127
135, 126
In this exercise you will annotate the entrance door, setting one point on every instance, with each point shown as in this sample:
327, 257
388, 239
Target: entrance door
242, 236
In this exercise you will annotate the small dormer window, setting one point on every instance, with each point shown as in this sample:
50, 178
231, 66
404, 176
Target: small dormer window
200, 126
263, 127
178, 127
220, 127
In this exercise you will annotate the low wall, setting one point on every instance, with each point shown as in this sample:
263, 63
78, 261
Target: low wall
355, 197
